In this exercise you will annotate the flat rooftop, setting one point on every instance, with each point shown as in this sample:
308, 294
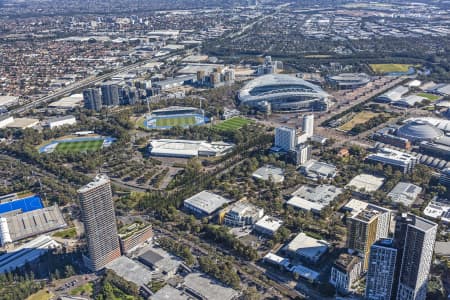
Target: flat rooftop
130, 270
206, 202
23, 123
34, 222
438, 210
314, 198
269, 223
319, 168
208, 287
72, 101
307, 246
355, 206
269, 172
367, 182
170, 293
370, 212
405, 193
99, 180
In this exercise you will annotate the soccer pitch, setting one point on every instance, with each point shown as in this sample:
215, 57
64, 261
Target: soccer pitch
79, 146
176, 121
232, 124
390, 68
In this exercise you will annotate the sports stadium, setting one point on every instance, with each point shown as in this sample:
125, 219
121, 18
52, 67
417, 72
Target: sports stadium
284, 93
347, 81
169, 117
83, 144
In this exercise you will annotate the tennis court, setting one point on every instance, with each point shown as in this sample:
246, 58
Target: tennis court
25, 204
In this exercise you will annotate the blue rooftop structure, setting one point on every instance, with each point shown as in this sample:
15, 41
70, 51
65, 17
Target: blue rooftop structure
25, 204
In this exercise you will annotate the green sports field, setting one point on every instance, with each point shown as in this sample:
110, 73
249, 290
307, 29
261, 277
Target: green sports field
232, 124
80, 146
431, 97
390, 68
177, 121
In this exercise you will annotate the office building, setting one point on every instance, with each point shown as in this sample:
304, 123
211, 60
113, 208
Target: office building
366, 227
307, 248
110, 94
405, 193
314, 198
97, 209
308, 125
285, 138
301, 154
92, 99
314, 170
242, 214
61, 121
415, 237
345, 271
397, 159
268, 225
205, 203
383, 266
269, 172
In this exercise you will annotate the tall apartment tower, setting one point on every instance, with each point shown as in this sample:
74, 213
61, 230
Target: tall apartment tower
92, 99
286, 138
366, 227
110, 94
415, 237
97, 209
308, 125
383, 270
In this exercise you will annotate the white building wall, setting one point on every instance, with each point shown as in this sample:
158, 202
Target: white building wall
285, 138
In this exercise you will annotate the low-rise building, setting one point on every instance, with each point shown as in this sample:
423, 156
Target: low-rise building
405, 193
365, 183
268, 172
268, 225
188, 148
164, 265
438, 209
307, 248
345, 271
205, 203
5, 120
397, 159
314, 198
315, 169
61, 121
134, 236
130, 270
242, 214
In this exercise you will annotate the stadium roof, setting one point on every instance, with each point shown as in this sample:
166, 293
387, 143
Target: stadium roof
351, 79
26, 253
263, 87
418, 131
188, 148
32, 223
174, 108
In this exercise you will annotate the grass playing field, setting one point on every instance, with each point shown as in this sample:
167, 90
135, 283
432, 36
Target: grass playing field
390, 68
431, 97
359, 118
176, 121
80, 146
232, 124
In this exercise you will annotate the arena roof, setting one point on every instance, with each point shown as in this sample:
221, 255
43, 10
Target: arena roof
22, 204
418, 130
350, 79
278, 87
188, 148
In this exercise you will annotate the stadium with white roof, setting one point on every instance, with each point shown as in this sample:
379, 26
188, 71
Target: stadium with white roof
284, 93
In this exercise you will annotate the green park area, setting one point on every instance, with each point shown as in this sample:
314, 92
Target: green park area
79, 146
359, 118
83, 290
41, 295
232, 124
69, 233
390, 68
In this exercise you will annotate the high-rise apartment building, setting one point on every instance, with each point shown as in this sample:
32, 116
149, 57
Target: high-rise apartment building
415, 237
92, 99
301, 154
308, 125
110, 94
366, 227
383, 266
97, 209
286, 138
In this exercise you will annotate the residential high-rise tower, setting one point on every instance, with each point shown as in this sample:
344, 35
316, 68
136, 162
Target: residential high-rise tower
97, 209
